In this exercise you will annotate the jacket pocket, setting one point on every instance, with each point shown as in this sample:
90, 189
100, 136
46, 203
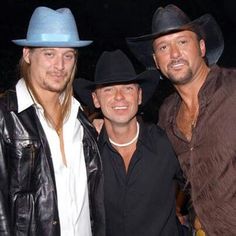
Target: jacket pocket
24, 180
23, 157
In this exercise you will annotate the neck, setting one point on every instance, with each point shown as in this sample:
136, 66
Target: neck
50, 101
123, 135
46, 98
52, 107
189, 92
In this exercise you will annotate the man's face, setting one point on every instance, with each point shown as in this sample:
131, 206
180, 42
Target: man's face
50, 68
179, 56
119, 103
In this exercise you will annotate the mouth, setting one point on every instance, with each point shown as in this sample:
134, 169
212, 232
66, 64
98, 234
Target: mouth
58, 75
120, 107
176, 65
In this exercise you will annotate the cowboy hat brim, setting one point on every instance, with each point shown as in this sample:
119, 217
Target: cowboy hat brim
142, 46
147, 80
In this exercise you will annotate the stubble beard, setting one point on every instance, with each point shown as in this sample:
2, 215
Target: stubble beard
180, 80
54, 87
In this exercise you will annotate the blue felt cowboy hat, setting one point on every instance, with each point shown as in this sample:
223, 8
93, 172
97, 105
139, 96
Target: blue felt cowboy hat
115, 68
52, 28
171, 19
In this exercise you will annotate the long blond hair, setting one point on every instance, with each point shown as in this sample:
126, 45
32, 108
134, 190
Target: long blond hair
24, 69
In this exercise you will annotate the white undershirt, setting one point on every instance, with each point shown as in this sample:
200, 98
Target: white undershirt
71, 181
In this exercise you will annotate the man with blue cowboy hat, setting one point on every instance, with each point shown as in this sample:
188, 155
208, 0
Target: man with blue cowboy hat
140, 167
200, 117
51, 179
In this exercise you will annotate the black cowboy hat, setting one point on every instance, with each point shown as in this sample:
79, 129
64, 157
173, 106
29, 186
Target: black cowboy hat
115, 68
171, 19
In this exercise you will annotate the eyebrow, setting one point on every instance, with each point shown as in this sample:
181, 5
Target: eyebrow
54, 49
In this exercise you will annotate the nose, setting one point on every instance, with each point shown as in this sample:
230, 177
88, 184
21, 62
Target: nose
174, 51
119, 94
59, 62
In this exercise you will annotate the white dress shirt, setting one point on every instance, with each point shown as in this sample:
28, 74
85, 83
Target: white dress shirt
71, 180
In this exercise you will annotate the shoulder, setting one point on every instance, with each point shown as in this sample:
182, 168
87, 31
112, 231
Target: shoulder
225, 83
152, 129
227, 76
87, 125
167, 109
155, 140
228, 72
169, 102
8, 100
155, 136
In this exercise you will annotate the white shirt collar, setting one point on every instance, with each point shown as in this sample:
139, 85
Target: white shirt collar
25, 100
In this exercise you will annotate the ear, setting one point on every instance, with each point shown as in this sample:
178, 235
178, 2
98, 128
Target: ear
26, 55
140, 96
202, 47
155, 60
95, 100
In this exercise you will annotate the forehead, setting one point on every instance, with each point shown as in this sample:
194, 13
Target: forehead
116, 85
174, 36
56, 50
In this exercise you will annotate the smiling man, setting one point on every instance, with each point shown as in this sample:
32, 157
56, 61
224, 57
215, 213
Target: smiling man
140, 167
199, 118
47, 145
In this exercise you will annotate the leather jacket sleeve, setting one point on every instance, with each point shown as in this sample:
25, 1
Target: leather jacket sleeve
95, 176
4, 204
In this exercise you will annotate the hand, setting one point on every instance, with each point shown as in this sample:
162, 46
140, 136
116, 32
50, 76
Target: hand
180, 216
180, 201
198, 227
197, 224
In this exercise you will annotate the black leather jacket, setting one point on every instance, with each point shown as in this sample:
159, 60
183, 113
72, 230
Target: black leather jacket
28, 197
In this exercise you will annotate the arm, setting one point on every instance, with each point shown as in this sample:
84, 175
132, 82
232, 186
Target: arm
180, 201
96, 118
4, 203
184, 209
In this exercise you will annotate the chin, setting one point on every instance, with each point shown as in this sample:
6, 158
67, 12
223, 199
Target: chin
181, 80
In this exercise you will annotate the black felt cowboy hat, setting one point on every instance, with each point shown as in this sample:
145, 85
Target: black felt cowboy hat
171, 19
115, 68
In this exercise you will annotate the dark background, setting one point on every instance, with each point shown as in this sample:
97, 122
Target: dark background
108, 22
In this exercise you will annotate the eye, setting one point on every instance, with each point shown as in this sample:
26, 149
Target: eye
162, 48
183, 42
48, 54
107, 89
129, 88
69, 56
